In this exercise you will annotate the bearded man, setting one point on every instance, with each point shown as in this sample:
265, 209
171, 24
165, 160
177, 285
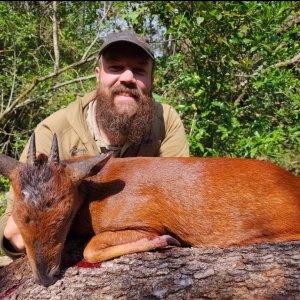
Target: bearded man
119, 116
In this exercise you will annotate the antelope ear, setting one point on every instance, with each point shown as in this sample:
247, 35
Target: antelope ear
8, 165
88, 166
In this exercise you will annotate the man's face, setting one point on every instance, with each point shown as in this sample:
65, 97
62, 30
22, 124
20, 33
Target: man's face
125, 65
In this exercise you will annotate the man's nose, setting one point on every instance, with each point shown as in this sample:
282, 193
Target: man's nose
127, 76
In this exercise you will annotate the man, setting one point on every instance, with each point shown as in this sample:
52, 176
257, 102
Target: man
120, 116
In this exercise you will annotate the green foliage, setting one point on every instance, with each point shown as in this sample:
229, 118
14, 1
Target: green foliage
2, 203
4, 185
27, 54
225, 77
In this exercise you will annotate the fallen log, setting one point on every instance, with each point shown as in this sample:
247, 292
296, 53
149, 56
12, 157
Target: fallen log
264, 271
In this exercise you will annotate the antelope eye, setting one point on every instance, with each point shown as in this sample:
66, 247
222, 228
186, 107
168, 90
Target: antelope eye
27, 220
25, 194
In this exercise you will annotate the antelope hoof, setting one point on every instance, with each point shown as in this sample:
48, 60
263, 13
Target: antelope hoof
164, 240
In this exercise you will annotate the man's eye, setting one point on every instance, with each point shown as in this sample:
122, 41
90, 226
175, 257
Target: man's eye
139, 71
115, 68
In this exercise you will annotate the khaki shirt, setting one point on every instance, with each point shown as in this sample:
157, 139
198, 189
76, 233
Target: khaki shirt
167, 139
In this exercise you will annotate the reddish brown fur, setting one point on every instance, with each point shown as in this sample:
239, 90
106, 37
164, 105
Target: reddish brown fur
45, 222
201, 202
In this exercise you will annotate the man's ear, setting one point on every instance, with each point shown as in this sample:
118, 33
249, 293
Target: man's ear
98, 71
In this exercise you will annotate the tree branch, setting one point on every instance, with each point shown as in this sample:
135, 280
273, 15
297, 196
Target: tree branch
73, 80
55, 37
19, 101
263, 271
14, 82
293, 60
105, 12
293, 20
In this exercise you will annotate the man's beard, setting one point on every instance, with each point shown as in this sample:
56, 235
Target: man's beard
121, 127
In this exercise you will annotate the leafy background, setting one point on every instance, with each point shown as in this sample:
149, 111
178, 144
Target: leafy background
230, 68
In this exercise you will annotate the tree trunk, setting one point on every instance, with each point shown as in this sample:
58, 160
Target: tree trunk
266, 271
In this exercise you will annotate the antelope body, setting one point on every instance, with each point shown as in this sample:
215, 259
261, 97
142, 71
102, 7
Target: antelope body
138, 204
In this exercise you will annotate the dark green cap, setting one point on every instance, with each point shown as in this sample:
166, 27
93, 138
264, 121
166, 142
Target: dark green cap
128, 36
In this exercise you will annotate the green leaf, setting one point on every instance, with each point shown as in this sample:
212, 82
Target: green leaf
200, 20
247, 41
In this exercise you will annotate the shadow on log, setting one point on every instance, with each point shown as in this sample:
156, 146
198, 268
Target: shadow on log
265, 271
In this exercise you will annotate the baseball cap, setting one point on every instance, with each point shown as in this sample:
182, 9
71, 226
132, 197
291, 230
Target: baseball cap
128, 36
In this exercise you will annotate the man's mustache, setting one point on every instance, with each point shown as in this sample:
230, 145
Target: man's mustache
120, 89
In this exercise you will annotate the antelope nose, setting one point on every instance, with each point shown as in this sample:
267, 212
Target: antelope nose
54, 272
47, 278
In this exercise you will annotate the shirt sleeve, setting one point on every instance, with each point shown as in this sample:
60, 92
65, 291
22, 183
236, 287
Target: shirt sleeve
175, 143
5, 247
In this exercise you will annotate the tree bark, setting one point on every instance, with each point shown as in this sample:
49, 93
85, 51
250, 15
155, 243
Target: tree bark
55, 37
266, 271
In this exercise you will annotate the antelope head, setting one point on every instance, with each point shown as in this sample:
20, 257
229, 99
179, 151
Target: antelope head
46, 201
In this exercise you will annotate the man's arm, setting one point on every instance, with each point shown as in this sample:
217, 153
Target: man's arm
11, 241
175, 143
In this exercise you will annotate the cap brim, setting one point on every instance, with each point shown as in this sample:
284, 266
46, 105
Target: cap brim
126, 41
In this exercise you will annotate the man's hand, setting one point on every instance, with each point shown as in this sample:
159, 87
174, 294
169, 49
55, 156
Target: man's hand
13, 235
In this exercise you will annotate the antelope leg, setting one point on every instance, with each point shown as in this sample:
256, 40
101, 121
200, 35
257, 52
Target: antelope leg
109, 245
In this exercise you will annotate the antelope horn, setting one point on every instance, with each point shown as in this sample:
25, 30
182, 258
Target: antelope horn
31, 155
54, 153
